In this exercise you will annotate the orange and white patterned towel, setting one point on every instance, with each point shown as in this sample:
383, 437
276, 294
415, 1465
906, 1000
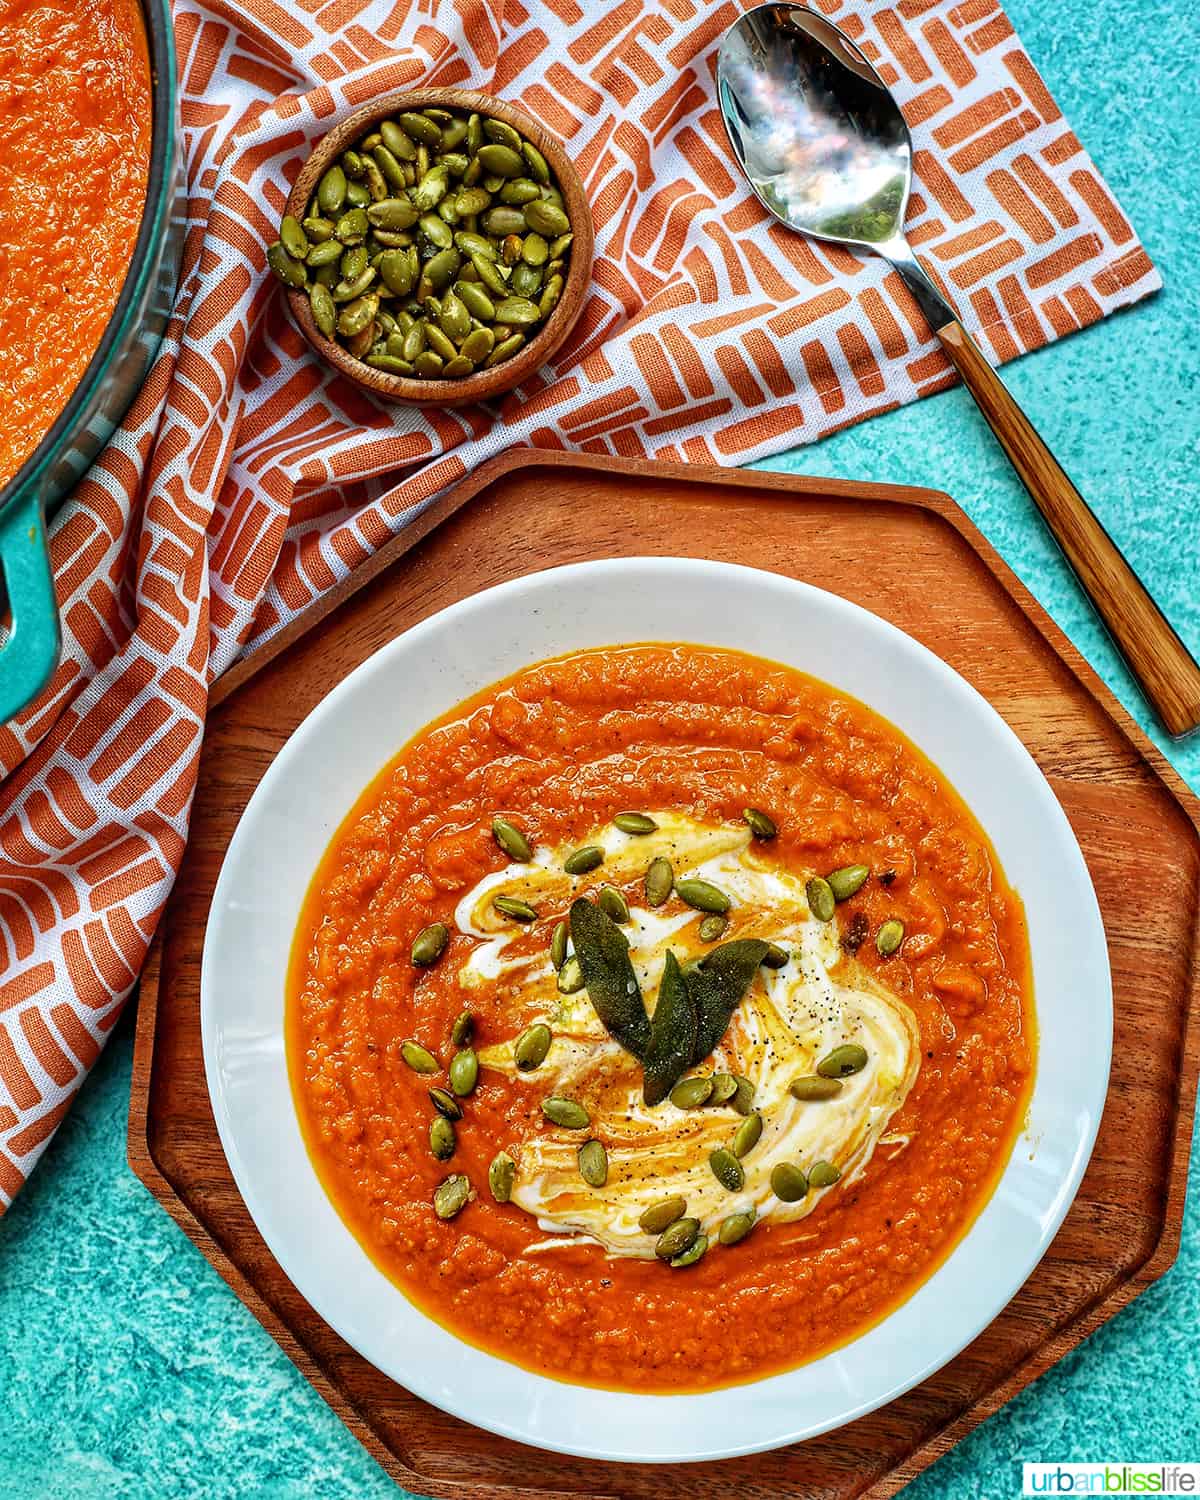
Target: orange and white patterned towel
246, 480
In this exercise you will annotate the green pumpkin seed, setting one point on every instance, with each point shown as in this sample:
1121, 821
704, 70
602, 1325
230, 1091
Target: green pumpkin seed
551, 293
399, 144
526, 280
442, 269
812, 1087
712, 929
478, 344
566, 1112
291, 272
593, 1164
736, 1227
691, 1255
464, 1072
546, 218
351, 228
395, 172
580, 861
538, 169
439, 342
489, 275
294, 240
613, 904
762, 826
501, 1175
510, 249
520, 312
560, 246
723, 1089
746, 1136
635, 822
436, 234
558, 945
676, 1238
475, 300
441, 1138
428, 365
431, 189
318, 230
429, 944
727, 1170
509, 906
500, 130
702, 895
788, 1182
776, 957
324, 255
691, 1093
323, 310
419, 1058
662, 1215
570, 977
470, 244
518, 191
463, 1028
845, 882
531, 1047
472, 200
420, 128
457, 367
398, 271
357, 315
660, 881
743, 1098
501, 221
451, 1196
535, 251
500, 160
843, 1061
823, 1174
821, 900
353, 263
446, 1104
357, 195
331, 191
889, 937
389, 364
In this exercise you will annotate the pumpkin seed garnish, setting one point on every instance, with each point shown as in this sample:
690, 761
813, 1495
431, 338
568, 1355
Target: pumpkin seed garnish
441, 1138
724, 1086
451, 1196
676, 1238
510, 906
661, 1215
511, 840
776, 958
446, 1104
636, 823
613, 904
566, 1113
693, 1092
845, 882
843, 1061
464, 1026
419, 1058
712, 929
570, 977
660, 881
889, 937
501, 1175
531, 1047
746, 1136
727, 1170
811, 1087
558, 945
464, 1072
593, 1163
691, 1255
761, 825
823, 1174
743, 1099
429, 944
702, 895
788, 1182
821, 900
736, 1227
580, 861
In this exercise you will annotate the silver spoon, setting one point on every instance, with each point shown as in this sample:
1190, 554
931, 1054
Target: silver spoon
826, 149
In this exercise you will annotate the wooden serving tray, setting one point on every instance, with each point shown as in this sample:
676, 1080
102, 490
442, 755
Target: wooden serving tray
912, 557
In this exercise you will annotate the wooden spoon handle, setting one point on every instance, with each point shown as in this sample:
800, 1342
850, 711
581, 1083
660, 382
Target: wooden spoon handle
1167, 671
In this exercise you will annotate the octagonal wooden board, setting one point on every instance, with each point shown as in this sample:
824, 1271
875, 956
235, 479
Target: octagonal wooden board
912, 557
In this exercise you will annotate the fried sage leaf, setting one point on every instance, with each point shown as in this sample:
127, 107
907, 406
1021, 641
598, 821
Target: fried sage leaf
612, 985
717, 988
672, 1035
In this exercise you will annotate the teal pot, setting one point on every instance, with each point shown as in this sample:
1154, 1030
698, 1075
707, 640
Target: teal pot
112, 379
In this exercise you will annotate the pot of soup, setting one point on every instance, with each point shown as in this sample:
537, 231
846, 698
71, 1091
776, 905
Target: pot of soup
91, 228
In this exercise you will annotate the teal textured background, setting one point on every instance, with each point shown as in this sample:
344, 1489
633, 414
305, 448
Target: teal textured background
127, 1368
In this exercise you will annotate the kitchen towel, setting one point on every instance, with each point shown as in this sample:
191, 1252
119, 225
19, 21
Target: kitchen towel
247, 480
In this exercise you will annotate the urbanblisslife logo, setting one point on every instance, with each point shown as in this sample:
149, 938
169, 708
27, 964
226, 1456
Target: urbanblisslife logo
1111, 1479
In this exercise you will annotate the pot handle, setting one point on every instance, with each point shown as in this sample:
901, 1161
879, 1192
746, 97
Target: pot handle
28, 656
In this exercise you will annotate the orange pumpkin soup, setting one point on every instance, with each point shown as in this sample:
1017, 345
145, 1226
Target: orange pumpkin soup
75, 120
660, 1018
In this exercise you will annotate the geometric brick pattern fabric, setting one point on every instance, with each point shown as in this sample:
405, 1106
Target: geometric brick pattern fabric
246, 479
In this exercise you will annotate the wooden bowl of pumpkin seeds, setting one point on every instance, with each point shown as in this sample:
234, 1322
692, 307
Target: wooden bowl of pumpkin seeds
436, 247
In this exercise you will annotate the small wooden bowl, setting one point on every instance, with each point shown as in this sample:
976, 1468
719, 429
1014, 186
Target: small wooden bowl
484, 384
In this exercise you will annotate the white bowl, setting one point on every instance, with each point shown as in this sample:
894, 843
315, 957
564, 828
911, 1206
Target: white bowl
363, 723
